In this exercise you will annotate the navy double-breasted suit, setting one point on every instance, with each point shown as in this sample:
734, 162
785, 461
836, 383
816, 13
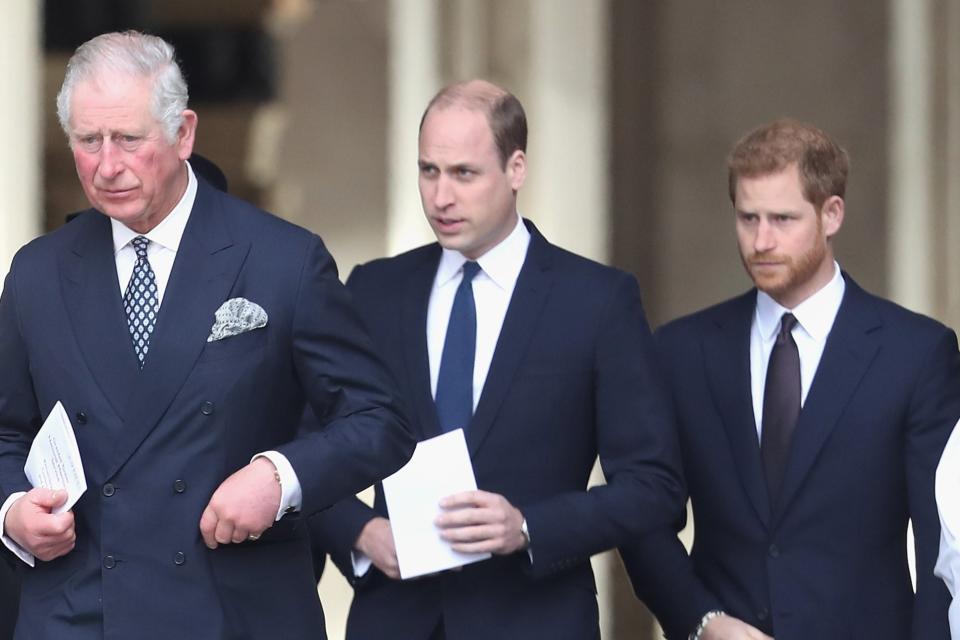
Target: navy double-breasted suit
572, 376
830, 561
156, 443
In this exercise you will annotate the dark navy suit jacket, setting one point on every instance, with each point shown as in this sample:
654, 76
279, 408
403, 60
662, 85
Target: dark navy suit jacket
830, 561
9, 596
572, 376
156, 443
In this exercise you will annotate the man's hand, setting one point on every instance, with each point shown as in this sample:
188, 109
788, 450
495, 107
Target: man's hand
243, 506
724, 627
31, 524
479, 521
376, 542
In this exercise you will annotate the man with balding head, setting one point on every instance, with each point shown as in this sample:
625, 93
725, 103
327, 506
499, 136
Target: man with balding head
544, 358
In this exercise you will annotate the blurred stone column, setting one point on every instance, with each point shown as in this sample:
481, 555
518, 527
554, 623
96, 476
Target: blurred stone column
924, 143
20, 57
911, 232
567, 189
414, 76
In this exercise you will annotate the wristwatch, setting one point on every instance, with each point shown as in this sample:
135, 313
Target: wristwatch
707, 617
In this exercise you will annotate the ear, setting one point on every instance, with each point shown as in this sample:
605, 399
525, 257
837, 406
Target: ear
832, 215
517, 169
187, 134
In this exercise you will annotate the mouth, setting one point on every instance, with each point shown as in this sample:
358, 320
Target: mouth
447, 224
766, 262
116, 194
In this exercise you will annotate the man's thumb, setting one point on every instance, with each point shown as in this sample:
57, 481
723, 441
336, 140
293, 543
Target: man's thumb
50, 498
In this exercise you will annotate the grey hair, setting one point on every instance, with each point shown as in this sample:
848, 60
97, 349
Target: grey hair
134, 54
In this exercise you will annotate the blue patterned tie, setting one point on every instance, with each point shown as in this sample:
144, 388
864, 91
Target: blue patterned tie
140, 302
455, 379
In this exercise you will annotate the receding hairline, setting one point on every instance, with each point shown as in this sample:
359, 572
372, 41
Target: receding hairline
472, 95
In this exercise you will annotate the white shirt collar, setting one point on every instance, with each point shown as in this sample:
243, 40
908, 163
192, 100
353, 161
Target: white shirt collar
815, 314
169, 232
501, 264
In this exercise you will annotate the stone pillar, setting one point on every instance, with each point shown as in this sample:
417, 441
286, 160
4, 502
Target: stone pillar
911, 231
414, 76
566, 100
20, 57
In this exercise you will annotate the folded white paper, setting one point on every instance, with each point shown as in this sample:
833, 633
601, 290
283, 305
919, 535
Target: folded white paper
438, 468
54, 459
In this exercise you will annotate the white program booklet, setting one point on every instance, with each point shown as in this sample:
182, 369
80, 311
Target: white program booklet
54, 459
438, 468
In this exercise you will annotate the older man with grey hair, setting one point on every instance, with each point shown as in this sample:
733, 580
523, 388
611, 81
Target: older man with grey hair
183, 331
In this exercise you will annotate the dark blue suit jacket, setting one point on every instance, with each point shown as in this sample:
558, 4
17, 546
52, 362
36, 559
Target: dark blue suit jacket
156, 443
571, 377
9, 596
830, 561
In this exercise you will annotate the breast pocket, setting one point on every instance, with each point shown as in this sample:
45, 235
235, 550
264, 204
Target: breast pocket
246, 343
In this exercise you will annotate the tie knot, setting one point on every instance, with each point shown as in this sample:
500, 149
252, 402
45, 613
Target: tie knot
787, 322
470, 270
140, 246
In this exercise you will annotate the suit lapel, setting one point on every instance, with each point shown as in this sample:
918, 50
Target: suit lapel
416, 299
88, 279
207, 264
523, 312
727, 360
852, 344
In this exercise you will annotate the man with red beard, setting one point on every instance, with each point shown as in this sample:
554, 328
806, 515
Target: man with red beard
811, 416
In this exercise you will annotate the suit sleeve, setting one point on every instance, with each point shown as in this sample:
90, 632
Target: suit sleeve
636, 443
658, 565
19, 413
934, 410
362, 435
335, 530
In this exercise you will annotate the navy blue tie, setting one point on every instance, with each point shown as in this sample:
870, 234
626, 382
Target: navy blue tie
455, 379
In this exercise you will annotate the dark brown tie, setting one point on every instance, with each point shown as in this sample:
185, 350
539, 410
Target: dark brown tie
781, 406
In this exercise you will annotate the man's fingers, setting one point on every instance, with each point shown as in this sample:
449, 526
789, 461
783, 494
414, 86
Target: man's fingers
208, 526
467, 517
472, 534
223, 534
466, 499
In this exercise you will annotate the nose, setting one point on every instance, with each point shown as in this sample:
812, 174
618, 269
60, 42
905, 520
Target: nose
111, 162
443, 194
764, 240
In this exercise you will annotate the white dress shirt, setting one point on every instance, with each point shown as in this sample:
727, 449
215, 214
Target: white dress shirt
948, 505
815, 317
492, 289
161, 252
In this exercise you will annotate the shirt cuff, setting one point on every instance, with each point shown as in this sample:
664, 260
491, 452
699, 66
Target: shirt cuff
291, 494
361, 563
8, 542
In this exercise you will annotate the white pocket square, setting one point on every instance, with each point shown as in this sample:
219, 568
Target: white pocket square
236, 316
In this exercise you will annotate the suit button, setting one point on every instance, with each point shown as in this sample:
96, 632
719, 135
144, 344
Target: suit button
773, 551
762, 615
179, 486
109, 562
179, 558
108, 490
206, 408
81, 417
